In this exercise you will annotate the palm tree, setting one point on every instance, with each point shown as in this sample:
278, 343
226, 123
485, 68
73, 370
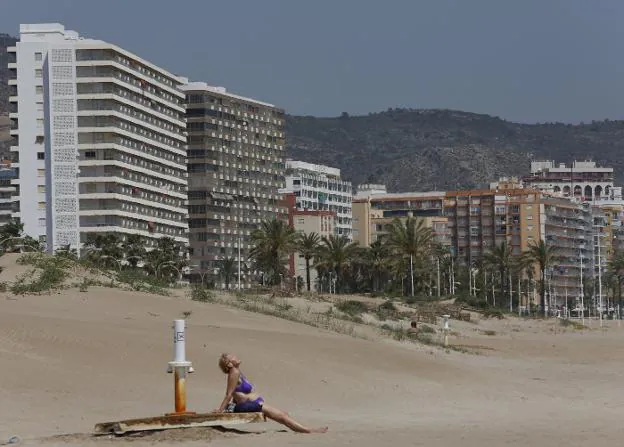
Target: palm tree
307, 246
616, 271
272, 243
10, 231
100, 247
227, 269
335, 255
544, 256
377, 257
167, 252
134, 249
501, 258
411, 241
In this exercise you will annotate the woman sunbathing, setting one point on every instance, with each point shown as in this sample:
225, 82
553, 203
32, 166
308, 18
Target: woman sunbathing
247, 400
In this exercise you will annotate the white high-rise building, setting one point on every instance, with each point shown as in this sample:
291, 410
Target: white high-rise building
101, 140
582, 180
319, 187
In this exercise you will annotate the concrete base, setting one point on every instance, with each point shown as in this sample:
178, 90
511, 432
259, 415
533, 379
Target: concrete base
176, 421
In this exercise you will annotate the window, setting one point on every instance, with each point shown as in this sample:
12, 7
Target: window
41, 189
38, 56
301, 220
38, 73
39, 139
42, 222
39, 123
90, 154
40, 172
41, 205
40, 155
39, 89
530, 217
39, 106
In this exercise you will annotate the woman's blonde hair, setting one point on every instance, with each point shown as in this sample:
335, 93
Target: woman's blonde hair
224, 363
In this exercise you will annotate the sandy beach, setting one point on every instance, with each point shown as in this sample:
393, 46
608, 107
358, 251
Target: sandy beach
73, 359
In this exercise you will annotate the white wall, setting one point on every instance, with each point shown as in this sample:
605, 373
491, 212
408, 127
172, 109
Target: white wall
30, 109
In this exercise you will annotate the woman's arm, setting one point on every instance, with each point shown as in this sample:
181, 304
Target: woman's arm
232, 381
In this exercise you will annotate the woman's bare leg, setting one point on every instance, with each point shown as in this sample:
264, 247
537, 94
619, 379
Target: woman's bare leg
283, 418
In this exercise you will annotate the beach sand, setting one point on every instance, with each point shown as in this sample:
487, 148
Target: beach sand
71, 360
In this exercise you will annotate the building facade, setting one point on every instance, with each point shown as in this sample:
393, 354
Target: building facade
6, 194
320, 188
101, 141
236, 168
480, 220
582, 180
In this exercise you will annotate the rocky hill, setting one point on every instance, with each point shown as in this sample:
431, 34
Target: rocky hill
427, 149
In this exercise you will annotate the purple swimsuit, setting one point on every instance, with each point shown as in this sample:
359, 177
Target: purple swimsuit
249, 406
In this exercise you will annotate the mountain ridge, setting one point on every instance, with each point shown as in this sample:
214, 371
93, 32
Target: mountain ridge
424, 149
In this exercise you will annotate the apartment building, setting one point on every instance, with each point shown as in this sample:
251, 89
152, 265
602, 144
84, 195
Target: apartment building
6, 193
568, 226
100, 140
480, 220
321, 222
374, 211
319, 187
236, 168
583, 180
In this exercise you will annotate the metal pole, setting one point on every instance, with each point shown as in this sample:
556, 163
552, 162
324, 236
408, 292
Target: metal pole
582, 291
600, 279
510, 295
519, 293
179, 366
438, 268
239, 261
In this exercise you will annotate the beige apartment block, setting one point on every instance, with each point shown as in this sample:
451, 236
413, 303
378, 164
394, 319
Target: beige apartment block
374, 212
324, 224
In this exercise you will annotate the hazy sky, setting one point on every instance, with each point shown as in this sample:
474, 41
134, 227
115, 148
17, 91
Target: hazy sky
524, 60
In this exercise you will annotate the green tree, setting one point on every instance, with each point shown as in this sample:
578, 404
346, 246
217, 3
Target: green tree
335, 255
544, 256
308, 246
104, 249
500, 258
377, 257
616, 272
168, 256
227, 270
9, 232
272, 243
134, 249
411, 241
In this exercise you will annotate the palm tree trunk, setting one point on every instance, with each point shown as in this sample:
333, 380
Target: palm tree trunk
307, 260
543, 291
412, 272
620, 298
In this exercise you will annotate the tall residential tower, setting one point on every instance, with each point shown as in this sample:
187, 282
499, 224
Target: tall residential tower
236, 167
100, 140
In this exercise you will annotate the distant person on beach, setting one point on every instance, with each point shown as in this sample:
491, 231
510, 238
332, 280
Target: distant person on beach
413, 329
246, 400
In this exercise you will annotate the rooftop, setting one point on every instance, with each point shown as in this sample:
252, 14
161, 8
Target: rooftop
205, 87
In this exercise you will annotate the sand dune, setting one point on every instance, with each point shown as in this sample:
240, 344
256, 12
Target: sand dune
70, 360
